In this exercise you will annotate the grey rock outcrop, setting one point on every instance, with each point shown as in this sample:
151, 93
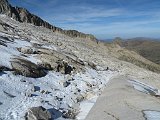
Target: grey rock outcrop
4, 6
70, 114
27, 68
3, 68
64, 68
28, 50
23, 15
45, 66
38, 113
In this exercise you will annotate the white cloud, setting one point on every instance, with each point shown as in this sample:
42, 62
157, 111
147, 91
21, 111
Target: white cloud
83, 13
123, 29
91, 19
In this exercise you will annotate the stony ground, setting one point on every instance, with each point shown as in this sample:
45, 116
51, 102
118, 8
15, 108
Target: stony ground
65, 75
123, 99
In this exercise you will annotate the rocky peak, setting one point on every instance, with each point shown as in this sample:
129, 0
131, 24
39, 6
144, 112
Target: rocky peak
4, 6
23, 15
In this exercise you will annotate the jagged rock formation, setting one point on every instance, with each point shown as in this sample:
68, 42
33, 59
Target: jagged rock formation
39, 67
4, 6
27, 68
23, 15
38, 113
59, 73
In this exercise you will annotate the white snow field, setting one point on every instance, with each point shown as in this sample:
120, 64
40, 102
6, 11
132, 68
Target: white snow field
18, 93
13, 91
152, 115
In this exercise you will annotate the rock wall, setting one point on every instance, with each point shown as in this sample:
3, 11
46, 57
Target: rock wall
23, 15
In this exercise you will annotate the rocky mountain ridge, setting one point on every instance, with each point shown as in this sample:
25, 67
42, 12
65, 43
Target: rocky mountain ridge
143, 46
23, 15
51, 76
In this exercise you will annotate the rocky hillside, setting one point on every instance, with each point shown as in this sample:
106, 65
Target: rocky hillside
42, 70
148, 48
48, 75
120, 52
23, 15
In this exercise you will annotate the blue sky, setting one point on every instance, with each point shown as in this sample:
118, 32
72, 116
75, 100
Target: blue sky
104, 18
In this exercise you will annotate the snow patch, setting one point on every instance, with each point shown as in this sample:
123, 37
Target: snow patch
85, 107
49, 92
6, 53
10, 52
152, 115
144, 87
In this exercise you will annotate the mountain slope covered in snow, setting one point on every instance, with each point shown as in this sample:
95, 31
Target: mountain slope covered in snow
64, 74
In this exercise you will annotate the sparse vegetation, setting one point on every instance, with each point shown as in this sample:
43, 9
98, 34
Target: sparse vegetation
150, 49
151, 67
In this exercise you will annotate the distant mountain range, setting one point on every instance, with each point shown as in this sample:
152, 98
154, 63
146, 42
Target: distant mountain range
147, 47
23, 15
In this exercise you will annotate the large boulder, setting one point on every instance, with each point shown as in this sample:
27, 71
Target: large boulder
45, 66
92, 65
38, 113
1, 28
70, 114
27, 50
27, 68
3, 68
64, 67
